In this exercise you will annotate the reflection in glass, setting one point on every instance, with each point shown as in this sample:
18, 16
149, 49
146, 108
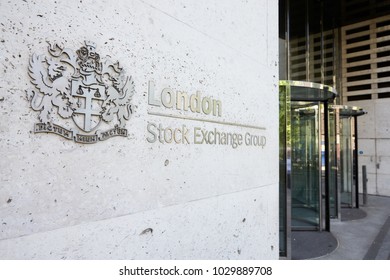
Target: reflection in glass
333, 196
284, 171
346, 160
305, 158
346, 185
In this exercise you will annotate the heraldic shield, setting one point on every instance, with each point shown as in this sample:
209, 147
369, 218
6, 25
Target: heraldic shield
89, 100
81, 86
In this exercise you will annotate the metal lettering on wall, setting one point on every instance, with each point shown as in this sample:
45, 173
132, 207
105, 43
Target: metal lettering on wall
82, 91
199, 106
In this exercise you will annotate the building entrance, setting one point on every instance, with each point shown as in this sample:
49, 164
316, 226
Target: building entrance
346, 182
306, 171
304, 160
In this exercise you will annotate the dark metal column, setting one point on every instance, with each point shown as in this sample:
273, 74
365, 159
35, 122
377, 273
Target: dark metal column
356, 167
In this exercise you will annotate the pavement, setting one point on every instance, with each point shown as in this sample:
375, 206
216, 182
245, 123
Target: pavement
360, 234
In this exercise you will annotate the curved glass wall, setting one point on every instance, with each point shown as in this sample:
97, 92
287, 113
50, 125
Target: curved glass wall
305, 163
346, 184
346, 161
319, 161
308, 41
285, 171
333, 149
303, 124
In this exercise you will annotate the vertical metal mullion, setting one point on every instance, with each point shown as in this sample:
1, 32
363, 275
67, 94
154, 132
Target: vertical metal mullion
334, 60
338, 163
288, 171
322, 51
319, 138
356, 169
288, 134
307, 31
352, 161
327, 169
287, 46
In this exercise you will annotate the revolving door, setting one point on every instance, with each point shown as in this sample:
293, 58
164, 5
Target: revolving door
303, 158
346, 182
305, 165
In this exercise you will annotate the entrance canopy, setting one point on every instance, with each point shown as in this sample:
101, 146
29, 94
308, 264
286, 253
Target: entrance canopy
349, 111
303, 131
308, 91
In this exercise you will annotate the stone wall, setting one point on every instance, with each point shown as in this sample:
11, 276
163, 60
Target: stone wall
374, 145
186, 197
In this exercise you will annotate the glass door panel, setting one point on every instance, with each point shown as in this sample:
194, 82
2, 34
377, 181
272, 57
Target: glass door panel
346, 160
333, 197
305, 173
282, 172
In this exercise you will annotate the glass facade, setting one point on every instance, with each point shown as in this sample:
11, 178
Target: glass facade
285, 171
309, 41
318, 158
303, 118
346, 162
345, 188
333, 156
318, 140
306, 172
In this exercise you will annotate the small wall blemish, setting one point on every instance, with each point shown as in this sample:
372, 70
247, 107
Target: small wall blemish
147, 231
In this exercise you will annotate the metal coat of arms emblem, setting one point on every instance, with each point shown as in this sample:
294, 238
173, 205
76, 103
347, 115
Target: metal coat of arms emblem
81, 89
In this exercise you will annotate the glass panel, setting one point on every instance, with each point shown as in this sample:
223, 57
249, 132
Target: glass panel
312, 40
297, 38
316, 69
305, 156
346, 167
284, 171
308, 91
333, 211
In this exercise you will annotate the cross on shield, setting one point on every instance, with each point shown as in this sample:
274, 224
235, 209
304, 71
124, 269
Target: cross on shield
87, 114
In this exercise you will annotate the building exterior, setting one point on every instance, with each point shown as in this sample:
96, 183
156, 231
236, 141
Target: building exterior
340, 47
170, 154
150, 129
344, 44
